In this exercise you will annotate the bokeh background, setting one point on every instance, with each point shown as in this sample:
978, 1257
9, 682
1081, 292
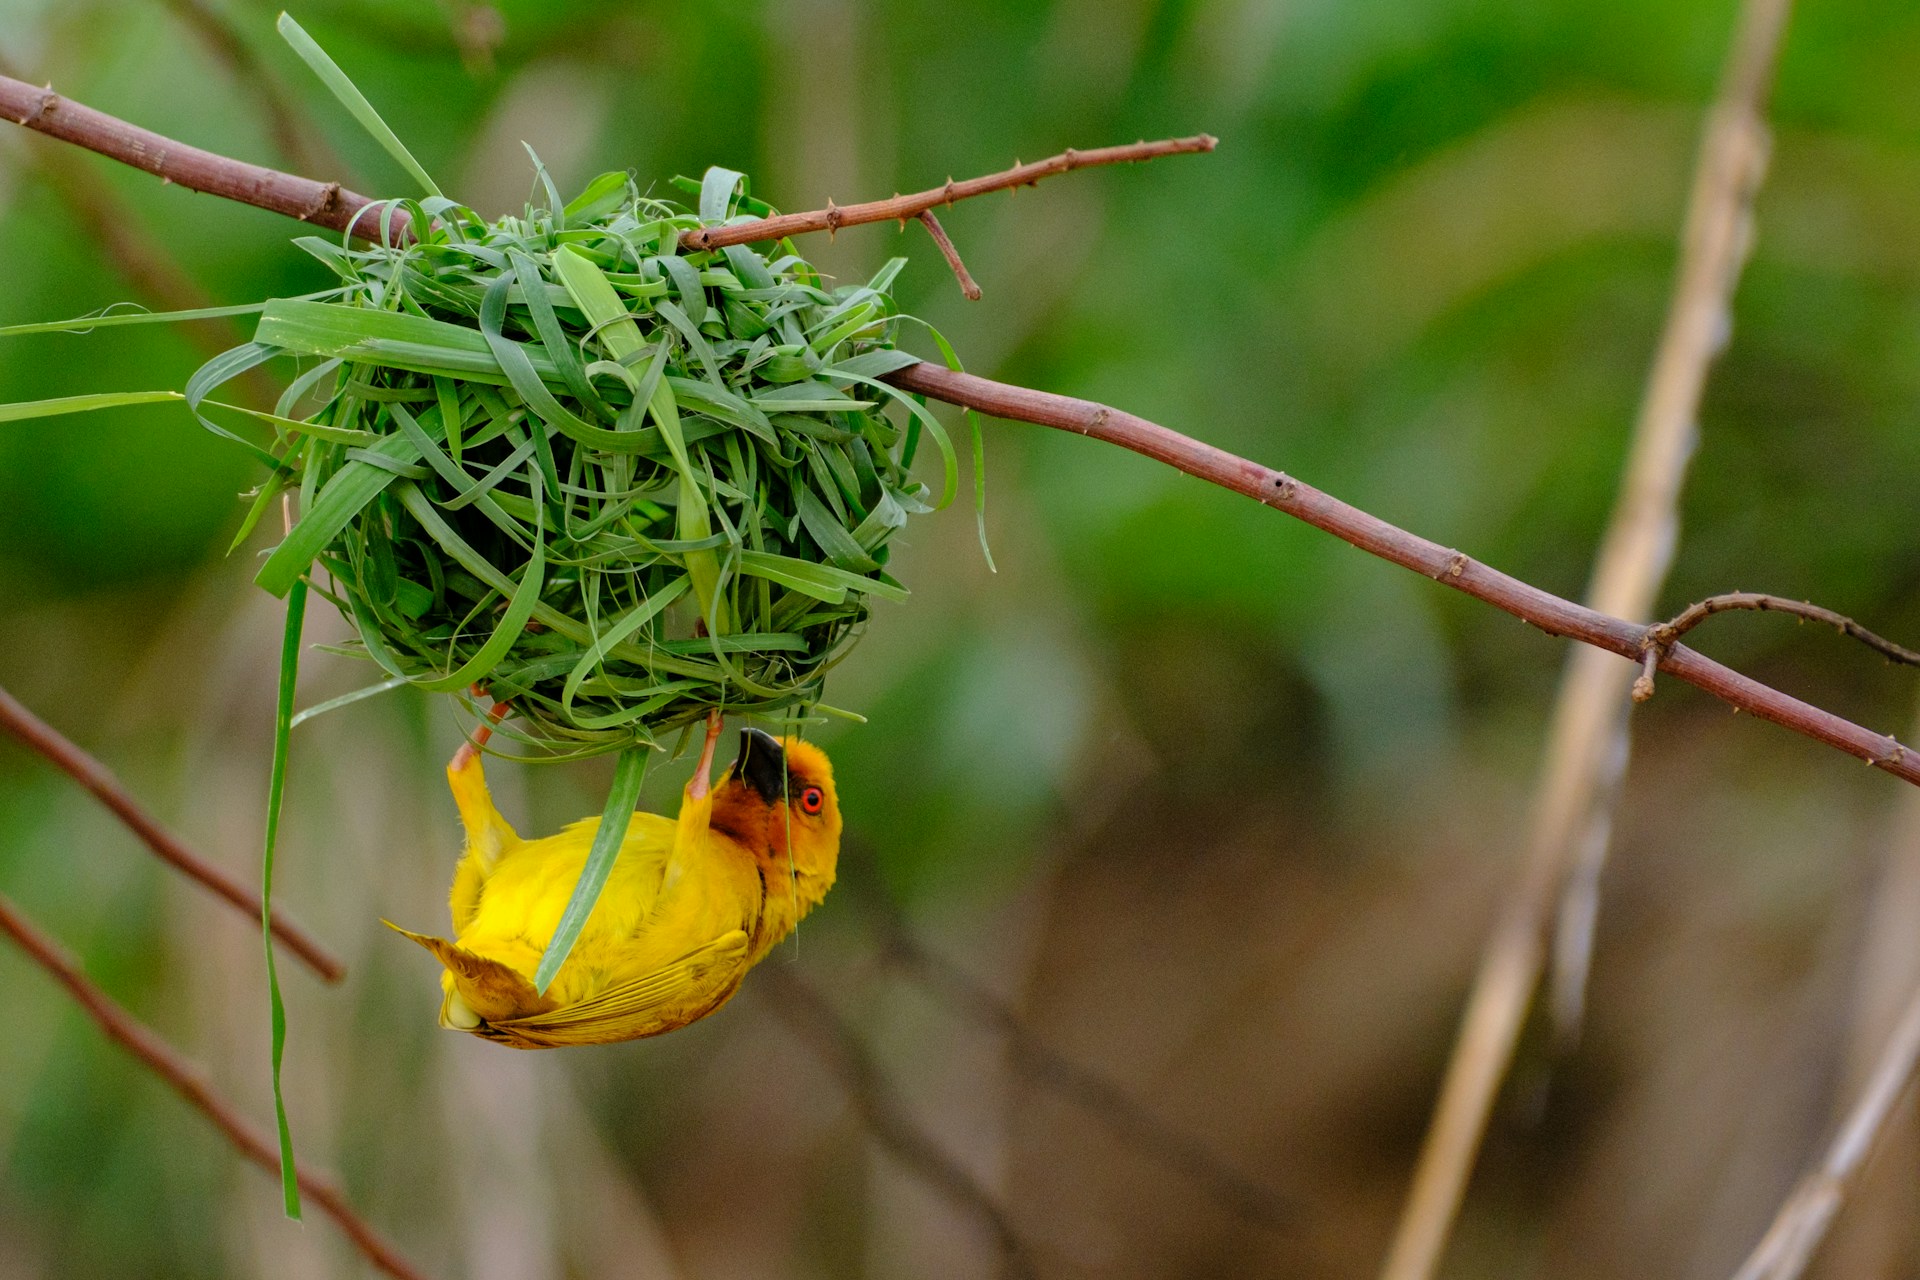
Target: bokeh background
1208, 804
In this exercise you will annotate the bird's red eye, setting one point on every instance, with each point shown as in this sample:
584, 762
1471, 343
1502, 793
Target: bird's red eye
812, 800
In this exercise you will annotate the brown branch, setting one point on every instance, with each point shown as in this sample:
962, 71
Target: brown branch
900, 208
186, 1080
328, 204
872, 1096
951, 254
1548, 612
1694, 614
40, 737
324, 204
1042, 1065
1800, 1226
1588, 743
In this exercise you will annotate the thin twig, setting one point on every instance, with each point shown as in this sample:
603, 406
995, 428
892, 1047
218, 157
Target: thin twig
1542, 609
1587, 744
1800, 1226
186, 1080
1044, 1066
952, 255
900, 208
872, 1095
1667, 632
40, 737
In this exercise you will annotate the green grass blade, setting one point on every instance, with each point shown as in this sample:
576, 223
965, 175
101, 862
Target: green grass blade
85, 324
276, 789
347, 699
628, 774
352, 488
352, 99
591, 291
24, 410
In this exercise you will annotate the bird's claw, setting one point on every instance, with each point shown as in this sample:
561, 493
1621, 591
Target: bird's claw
702, 781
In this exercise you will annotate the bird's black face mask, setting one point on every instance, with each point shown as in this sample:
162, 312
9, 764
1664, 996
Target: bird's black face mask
762, 765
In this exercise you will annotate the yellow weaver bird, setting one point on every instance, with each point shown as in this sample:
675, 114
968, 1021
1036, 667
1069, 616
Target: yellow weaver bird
690, 905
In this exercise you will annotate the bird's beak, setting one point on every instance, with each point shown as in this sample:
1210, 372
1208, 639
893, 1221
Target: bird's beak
762, 764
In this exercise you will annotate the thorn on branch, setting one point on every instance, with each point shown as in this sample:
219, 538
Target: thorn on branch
952, 255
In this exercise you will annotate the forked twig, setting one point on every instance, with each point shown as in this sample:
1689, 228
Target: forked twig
1800, 1226
1662, 635
872, 1096
165, 1062
43, 739
328, 204
1552, 614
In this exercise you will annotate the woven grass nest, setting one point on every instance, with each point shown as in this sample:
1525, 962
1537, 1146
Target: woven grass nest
617, 483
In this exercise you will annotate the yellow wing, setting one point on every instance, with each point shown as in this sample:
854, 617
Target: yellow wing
483, 988
665, 999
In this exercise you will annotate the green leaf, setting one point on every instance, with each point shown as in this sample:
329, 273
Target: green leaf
276, 790
352, 99
821, 581
351, 489
25, 410
628, 774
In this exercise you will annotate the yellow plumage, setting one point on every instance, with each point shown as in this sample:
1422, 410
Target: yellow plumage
689, 906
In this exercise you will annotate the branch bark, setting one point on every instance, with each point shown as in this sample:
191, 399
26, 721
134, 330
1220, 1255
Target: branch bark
165, 1062
324, 204
328, 204
42, 738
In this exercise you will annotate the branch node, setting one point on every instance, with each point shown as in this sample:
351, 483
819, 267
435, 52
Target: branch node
1457, 565
48, 101
323, 200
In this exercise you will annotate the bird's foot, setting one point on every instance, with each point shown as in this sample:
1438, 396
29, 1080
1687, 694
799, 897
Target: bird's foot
480, 734
702, 781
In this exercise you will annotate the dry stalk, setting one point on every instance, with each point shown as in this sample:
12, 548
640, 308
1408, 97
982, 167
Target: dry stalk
1587, 744
1800, 1226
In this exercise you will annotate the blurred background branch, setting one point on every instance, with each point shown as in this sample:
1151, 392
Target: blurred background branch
41, 738
873, 1099
1587, 746
159, 1058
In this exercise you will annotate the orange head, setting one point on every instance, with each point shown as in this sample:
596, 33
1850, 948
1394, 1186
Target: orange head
778, 800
